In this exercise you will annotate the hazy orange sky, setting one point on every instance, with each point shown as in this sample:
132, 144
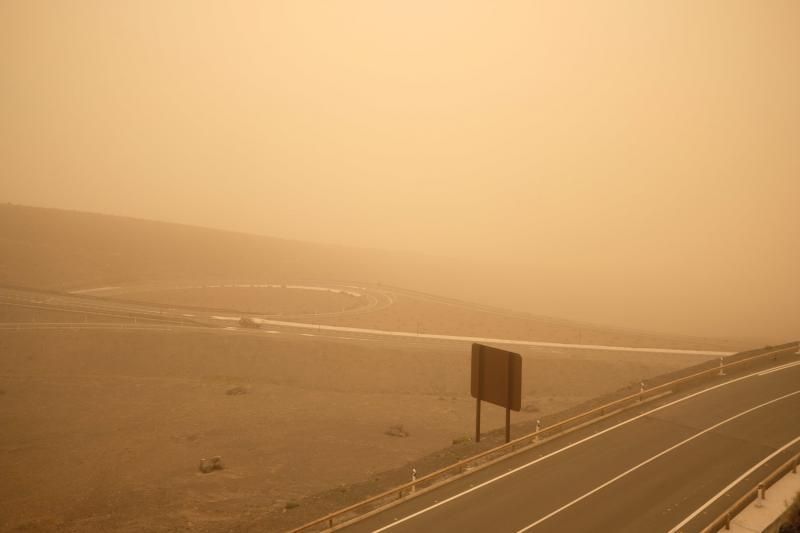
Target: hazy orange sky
648, 151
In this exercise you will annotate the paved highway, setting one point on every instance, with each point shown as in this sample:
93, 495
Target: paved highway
671, 467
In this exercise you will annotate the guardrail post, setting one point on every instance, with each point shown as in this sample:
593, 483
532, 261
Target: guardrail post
721, 367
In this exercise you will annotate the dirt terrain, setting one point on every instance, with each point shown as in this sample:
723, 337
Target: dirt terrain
104, 430
106, 415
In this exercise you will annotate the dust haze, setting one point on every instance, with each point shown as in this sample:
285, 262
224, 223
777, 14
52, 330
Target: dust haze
625, 163
247, 247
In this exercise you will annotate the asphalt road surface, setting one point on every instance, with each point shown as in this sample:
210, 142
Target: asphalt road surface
671, 467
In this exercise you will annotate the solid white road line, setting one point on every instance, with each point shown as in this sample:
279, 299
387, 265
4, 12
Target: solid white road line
653, 458
734, 483
776, 369
460, 338
565, 448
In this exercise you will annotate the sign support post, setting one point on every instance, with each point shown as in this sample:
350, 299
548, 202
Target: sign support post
478, 396
510, 400
478, 420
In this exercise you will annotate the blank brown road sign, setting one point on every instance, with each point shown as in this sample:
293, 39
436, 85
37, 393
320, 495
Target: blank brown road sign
496, 376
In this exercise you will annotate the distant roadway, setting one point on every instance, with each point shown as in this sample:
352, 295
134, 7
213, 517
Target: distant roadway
79, 304
669, 468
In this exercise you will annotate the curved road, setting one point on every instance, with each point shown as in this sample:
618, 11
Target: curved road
97, 306
670, 468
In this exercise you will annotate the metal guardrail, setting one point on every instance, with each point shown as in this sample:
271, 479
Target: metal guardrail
342, 515
759, 491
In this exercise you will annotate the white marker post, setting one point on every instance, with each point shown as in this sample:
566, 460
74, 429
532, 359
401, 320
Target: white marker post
413, 479
641, 390
721, 369
538, 427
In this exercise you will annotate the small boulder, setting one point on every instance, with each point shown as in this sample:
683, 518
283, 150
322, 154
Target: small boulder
397, 431
209, 465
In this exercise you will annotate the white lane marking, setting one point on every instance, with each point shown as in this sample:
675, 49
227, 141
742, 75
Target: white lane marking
307, 335
565, 448
234, 286
81, 326
771, 370
85, 291
734, 483
653, 458
475, 339
272, 331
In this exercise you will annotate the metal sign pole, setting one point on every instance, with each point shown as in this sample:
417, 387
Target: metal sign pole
480, 394
508, 403
478, 420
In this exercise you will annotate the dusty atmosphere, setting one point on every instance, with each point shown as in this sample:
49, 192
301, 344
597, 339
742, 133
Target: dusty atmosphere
270, 232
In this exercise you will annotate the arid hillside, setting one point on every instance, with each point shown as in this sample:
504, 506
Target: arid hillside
116, 383
58, 249
67, 250
50, 248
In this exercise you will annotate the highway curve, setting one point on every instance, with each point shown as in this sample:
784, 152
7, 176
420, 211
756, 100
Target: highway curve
658, 468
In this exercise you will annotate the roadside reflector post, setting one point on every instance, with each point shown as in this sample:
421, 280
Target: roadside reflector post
641, 391
413, 479
721, 367
538, 428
